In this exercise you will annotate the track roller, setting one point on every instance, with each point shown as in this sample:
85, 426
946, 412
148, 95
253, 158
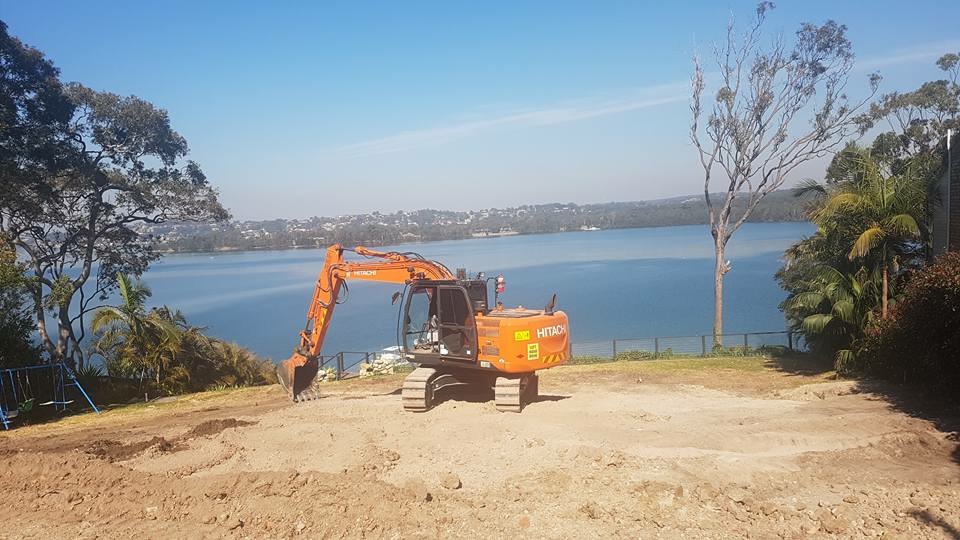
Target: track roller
417, 390
512, 393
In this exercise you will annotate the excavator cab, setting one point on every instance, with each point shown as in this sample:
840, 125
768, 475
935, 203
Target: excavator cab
439, 324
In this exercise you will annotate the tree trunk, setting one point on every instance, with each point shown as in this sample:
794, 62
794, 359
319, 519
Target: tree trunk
64, 333
40, 315
883, 294
719, 270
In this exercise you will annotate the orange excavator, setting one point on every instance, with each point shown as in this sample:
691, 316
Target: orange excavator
448, 329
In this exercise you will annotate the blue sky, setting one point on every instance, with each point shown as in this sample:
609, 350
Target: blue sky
336, 108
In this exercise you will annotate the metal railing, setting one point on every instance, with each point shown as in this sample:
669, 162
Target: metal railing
343, 361
645, 348
699, 345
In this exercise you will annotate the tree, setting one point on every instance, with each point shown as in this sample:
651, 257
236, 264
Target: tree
16, 343
751, 133
34, 112
132, 339
918, 121
832, 309
164, 352
125, 167
886, 208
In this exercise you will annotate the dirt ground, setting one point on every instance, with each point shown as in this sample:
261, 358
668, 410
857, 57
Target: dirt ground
727, 449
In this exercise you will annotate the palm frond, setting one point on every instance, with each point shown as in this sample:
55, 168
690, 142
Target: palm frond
809, 186
904, 224
816, 323
867, 240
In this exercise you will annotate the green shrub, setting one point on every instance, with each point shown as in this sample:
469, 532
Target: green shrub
920, 341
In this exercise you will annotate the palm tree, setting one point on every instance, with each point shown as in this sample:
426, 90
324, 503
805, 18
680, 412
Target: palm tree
882, 211
129, 336
833, 309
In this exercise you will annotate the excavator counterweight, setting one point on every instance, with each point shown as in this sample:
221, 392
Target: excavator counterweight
449, 330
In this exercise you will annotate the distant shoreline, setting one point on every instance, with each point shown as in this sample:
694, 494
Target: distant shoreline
230, 249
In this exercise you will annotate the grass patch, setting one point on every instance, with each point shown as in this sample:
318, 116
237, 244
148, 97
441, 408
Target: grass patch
738, 363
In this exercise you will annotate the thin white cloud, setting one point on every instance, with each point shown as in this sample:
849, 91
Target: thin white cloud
927, 52
642, 98
558, 114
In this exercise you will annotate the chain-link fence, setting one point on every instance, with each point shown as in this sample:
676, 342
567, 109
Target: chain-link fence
670, 346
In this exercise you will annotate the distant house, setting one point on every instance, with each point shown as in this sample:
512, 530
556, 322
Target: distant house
946, 220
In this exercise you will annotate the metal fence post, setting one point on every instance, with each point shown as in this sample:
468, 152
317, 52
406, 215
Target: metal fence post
656, 347
339, 365
790, 341
614, 349
745, 344
703, 345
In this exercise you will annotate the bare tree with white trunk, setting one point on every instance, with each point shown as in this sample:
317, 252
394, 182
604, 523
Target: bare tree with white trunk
775, 107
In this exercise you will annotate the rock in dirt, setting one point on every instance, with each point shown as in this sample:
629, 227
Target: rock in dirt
591, 509
419, 491
737, 494
450, 481
831, 523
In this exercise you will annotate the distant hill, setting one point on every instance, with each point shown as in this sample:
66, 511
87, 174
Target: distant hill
430, 225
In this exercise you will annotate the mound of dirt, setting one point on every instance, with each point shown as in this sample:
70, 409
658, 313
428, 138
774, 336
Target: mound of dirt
212, 427
116, 451
813, 392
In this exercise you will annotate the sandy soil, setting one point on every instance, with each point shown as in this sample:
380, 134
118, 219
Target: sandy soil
619, 450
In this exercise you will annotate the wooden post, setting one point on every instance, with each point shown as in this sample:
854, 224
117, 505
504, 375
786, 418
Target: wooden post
789, 340
339, 365
656, 347
614, 349
703, 345
745, 344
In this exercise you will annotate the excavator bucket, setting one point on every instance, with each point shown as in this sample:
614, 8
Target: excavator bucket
298, 377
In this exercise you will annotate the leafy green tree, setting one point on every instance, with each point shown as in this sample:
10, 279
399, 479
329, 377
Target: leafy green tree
16, 343
886, 208
94, 166
918, 119
132, 339
34, 115
832, 309
161, 349
867, 233
917, 123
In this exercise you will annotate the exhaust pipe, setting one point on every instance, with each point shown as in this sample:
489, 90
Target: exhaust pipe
297, 375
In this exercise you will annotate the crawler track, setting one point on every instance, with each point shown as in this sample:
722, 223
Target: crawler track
417, 390
512, 393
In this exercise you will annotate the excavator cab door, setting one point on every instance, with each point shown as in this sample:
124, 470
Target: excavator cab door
458, 329
439, 321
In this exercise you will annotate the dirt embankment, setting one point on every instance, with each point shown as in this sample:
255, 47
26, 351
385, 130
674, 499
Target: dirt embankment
606, 451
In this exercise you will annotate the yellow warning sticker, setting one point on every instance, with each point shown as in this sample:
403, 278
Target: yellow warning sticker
533, 351
521, 335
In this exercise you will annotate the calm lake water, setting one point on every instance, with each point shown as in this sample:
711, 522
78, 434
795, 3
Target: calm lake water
612, 284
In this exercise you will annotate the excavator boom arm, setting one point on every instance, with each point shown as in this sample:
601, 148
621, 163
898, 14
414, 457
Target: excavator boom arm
297, 373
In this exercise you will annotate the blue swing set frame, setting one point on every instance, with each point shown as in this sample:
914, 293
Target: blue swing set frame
62, 378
